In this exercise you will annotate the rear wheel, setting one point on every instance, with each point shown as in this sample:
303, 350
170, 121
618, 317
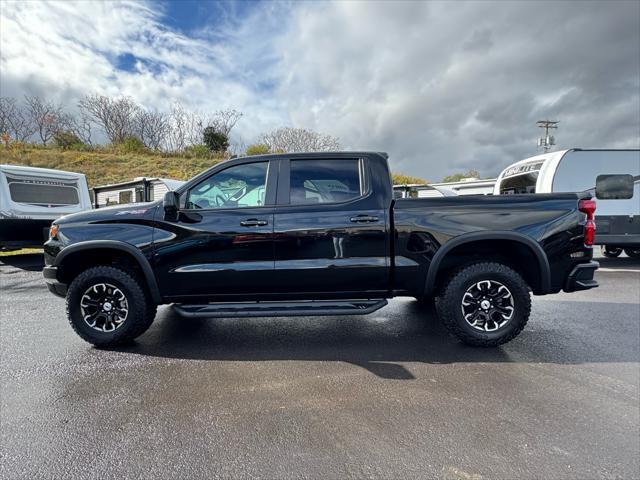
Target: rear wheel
632, 252
485, 304
611, 252
107, 306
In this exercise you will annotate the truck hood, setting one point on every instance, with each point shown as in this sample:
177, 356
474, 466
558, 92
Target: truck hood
117, 212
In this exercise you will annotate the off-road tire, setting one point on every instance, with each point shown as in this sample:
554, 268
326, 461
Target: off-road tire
632, 252
425, 301
142, 310
448, 304
611, 252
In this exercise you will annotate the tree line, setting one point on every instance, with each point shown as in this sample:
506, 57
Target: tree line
122, 121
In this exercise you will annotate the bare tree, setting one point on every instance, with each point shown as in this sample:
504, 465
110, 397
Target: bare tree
175, 141
14, 121
46, 117
185, 128
223, 121
288, 139
81, 126
179, 121
117, 117
195, 125
152, 127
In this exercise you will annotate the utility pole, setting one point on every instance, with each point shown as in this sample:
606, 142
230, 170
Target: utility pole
547, 141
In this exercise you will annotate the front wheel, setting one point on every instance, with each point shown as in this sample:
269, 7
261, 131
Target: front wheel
485, 304
611, 252
632, 252
108, 306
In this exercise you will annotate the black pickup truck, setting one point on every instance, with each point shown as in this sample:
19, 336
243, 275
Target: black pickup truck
317, 234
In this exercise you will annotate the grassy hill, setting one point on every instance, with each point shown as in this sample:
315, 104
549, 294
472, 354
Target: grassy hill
104, 166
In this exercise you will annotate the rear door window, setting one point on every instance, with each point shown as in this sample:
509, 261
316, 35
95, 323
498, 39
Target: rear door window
325, 181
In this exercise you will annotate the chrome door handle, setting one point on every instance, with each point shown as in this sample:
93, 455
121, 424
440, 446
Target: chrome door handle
253, 222
364, 219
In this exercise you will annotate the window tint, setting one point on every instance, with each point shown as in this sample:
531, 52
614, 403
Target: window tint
42, 191
236, 187
324, 181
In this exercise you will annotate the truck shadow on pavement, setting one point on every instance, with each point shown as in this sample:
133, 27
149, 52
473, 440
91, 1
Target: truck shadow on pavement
31, 262
620, 263
404, 332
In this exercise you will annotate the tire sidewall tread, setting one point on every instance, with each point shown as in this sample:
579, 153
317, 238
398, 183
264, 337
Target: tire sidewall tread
632, 252
449, 311
141, 309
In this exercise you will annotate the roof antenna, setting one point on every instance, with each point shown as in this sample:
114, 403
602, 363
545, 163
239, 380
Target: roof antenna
547, 141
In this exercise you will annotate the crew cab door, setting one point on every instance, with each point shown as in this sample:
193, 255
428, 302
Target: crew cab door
221, 243
329, 229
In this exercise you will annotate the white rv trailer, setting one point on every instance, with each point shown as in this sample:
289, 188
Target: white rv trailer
416, 190
31, 198
577, 170
470, 186
467, 186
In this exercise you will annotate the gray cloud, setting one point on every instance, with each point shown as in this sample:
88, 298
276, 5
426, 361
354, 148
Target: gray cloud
441, 86
449, 86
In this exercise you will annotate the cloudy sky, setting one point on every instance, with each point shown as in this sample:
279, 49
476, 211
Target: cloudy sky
441, 86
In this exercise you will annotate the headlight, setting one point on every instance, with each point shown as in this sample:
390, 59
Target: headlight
53, 231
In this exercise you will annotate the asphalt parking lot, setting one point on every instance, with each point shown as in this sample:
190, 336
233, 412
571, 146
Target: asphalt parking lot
389, 395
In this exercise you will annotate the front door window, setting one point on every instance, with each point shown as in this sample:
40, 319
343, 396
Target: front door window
241, 186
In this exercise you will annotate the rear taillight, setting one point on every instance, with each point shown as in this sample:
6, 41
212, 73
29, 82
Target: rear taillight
589, 207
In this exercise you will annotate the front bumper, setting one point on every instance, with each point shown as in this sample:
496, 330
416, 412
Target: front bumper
50, 274
581, 277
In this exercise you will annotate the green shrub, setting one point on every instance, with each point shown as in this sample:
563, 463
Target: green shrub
401, 179
197, 151
67, 140
132, 145
257, 149
456, 177
216, 141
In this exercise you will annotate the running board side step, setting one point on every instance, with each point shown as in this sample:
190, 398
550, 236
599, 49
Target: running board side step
280, 309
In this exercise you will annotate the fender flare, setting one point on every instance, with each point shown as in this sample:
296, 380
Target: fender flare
541, 256
116, 245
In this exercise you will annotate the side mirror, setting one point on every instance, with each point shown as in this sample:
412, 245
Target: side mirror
614, 187
171, 203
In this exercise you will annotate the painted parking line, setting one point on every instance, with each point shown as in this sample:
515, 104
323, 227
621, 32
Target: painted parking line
627, 270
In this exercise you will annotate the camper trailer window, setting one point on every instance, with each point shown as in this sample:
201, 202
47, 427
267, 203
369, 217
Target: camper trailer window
614, 187
519, 184
124, 197
42, 191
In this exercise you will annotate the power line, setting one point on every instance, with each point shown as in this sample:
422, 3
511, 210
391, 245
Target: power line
547, 141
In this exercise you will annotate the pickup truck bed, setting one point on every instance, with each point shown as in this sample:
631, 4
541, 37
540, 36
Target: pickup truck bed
541, 233
318, 234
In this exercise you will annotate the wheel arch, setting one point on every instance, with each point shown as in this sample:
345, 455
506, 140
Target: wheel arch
468, 239
68, 253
